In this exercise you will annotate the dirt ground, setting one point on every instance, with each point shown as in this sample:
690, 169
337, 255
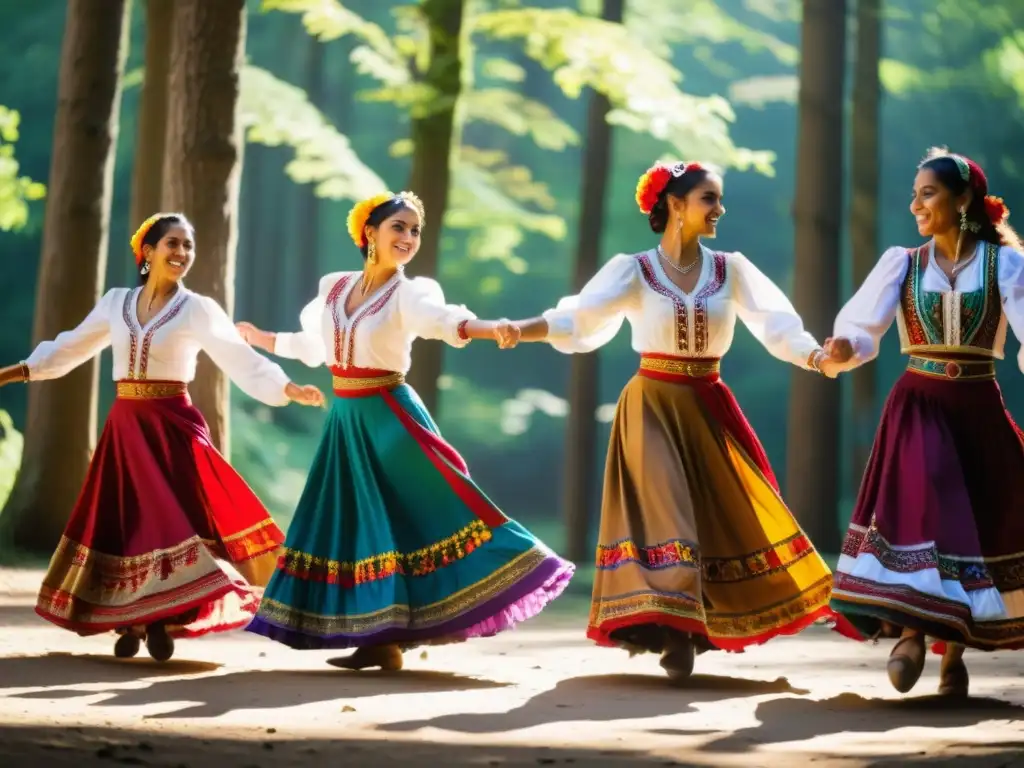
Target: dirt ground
541, 695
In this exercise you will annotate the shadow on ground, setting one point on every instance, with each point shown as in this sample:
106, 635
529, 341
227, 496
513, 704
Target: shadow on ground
603, 698
78, 747
204, 695
795, 719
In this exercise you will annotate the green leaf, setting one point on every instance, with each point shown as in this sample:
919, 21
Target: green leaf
11, 444
502, 69
15, 191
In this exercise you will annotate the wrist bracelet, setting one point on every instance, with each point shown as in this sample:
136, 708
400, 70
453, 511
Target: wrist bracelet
816, 358
25, 372
462, 330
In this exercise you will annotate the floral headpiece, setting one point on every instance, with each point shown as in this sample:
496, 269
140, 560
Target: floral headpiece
361, 211
653, 182
996, 210
142, 231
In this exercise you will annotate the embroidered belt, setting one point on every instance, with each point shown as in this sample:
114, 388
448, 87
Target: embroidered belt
961, 370
147, 390
350, 382
668, 367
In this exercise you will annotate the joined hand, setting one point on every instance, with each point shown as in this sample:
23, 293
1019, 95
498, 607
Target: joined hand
507, 334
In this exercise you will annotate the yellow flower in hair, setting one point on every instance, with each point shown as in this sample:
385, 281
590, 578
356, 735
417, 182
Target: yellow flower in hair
359, 215
140, 235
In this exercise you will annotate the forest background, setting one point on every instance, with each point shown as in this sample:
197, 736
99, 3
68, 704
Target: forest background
524, 125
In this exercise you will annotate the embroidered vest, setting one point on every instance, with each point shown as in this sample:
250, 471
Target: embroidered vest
949, 321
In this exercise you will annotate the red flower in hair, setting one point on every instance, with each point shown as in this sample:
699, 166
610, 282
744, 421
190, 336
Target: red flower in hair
653, 182
996, 209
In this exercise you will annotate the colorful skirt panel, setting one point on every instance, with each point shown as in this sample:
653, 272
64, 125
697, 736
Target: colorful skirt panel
393, 542
163, 530
936, 541
694, 536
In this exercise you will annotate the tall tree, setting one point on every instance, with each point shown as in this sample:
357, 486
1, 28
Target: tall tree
308, 202
61, 424
203, 164
431, 135
147, 167
581, 426
864, 207
812, 486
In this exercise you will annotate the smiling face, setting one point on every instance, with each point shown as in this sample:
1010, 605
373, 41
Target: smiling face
936, 210
397, 238
172, 257
701, 208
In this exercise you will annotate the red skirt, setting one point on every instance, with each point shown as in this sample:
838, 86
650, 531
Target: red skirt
163, 530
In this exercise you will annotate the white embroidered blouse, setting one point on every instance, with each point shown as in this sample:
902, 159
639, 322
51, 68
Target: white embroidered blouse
666, 320
969, 316
379, 334
165, 348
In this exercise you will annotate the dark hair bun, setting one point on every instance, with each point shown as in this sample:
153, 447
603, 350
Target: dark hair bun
658, 217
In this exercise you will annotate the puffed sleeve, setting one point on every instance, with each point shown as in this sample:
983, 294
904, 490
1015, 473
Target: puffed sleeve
425, 313
307, 345
769, 314
591, 318
254, 374
1011, 289
53, 359
866, 317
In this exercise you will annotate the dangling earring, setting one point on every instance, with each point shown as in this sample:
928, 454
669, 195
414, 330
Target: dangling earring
968, 226
371, 253
145, 268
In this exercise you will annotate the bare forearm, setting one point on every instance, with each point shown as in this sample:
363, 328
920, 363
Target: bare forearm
478, 329
13, 373
534, 329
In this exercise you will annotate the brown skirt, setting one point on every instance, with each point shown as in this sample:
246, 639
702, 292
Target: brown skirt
694, 535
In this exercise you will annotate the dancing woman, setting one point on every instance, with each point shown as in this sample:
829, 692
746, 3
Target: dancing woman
165, 540
697, 549
392, 544
936, 543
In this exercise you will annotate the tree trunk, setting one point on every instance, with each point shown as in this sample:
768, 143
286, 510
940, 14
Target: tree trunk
813, 431
61, 427
147, 167
204, 164
431, 166
581, 427
308, 202
864, 209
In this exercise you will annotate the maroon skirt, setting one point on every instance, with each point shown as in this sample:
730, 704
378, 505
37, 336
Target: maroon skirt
163, 530
936, 541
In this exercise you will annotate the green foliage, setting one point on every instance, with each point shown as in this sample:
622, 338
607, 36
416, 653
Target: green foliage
643, 87
11, 444
520, 116
276, 113
661, 24
16, 191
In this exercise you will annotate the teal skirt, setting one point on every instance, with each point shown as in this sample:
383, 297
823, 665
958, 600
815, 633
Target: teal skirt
393, 542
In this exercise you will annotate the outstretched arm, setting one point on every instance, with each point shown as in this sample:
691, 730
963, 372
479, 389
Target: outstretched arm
255, 375
56, 358
769, 315
864, 319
